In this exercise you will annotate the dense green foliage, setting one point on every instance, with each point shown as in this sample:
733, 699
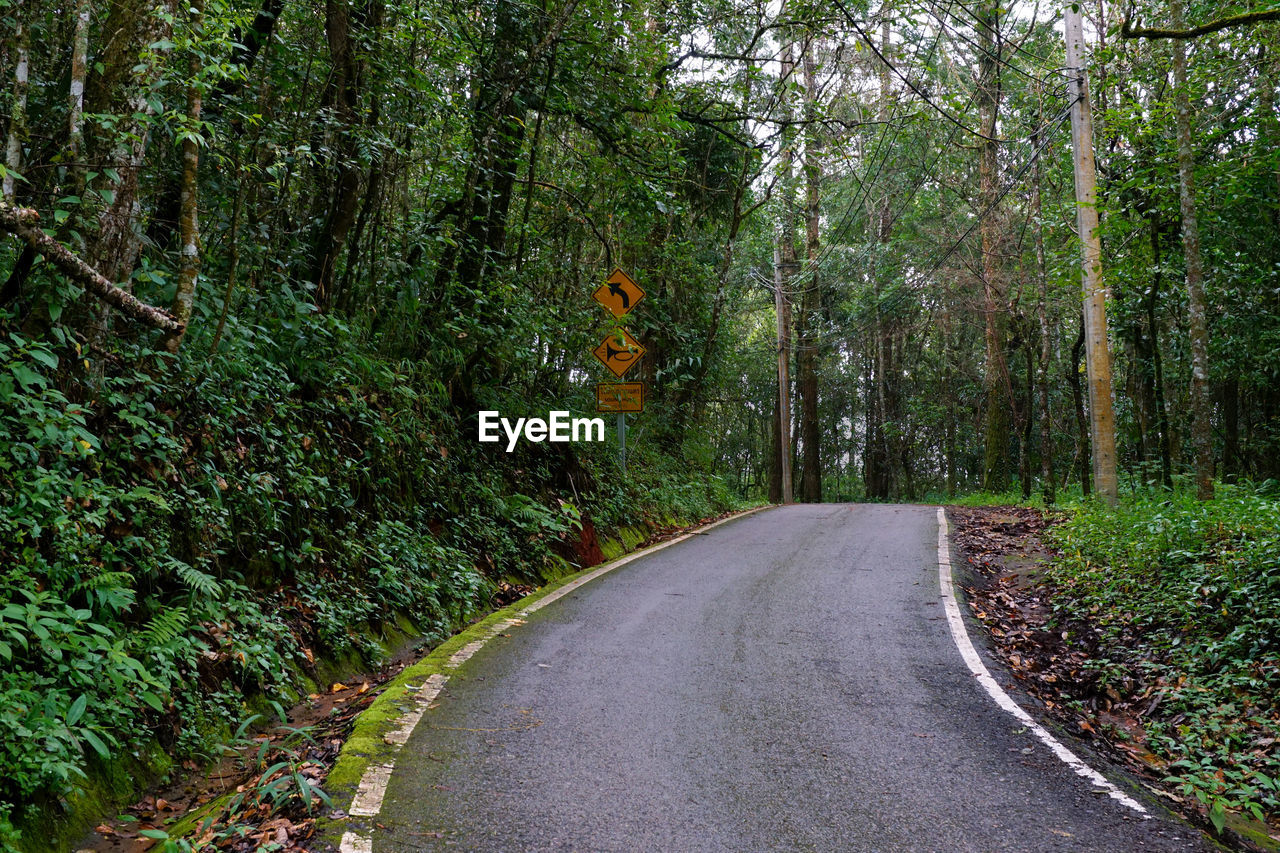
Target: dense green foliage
175, 547
1180, 602
385, 216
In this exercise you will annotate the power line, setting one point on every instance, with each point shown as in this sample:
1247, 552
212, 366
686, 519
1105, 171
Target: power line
863, 186
904, 291
912, 86
997, 56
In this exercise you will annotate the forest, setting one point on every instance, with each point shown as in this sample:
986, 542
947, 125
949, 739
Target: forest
265, 262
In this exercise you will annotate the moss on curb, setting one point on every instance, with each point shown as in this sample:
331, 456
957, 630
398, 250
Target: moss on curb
367, 742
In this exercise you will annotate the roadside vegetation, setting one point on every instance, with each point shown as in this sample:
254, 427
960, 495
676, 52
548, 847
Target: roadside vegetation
1154, 626
262, 263
1178, 602
178, 552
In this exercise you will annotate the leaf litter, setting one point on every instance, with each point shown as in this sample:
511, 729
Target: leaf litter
1004, 553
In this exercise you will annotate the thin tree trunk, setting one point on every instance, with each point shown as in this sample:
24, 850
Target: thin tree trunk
806, 339
1083, 453
784, 266
233, 264
75, 97
1046, 348
1157, 361
1198, 326
18, 114
878, 465
1026, 418
188, 218
995, 468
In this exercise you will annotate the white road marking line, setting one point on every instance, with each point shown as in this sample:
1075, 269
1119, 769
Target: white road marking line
354, 842
373, 784
961, 637
422, 698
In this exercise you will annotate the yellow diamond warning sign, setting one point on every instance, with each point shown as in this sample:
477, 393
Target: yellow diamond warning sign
620, 397
618, 293
619, 352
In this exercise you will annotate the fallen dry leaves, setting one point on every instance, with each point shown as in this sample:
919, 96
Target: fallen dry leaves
1003, 553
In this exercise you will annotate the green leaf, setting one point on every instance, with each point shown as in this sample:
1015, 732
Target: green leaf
1218, 816
27, 377
96, 742
77, 709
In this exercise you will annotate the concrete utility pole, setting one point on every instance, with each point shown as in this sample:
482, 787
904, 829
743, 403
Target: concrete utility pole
1102, 423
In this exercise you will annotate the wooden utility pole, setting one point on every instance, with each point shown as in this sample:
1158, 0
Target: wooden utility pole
1102, 424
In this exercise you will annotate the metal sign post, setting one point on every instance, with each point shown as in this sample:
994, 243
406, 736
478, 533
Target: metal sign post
619, 352
622, 440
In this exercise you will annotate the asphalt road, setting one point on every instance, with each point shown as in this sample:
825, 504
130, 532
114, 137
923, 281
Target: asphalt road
786, 681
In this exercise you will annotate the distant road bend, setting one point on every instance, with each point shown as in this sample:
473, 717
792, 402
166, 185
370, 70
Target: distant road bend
785, 682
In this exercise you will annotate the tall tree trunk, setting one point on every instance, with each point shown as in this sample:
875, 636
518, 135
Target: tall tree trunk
1027, 418
784, 267
12, 286
188, 219
1046, 340
1157, 361
1083, 452
806, 338
18, 113
880, 414
1197, 322
75, 97
995, 386
114, 249
349, 42
773, 455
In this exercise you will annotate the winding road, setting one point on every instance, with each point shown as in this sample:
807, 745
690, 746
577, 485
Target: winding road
785, 681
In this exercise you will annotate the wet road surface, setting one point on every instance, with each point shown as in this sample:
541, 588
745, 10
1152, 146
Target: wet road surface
785, 681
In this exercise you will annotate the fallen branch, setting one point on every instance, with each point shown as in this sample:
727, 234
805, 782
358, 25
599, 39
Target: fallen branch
1130, 32
22, 223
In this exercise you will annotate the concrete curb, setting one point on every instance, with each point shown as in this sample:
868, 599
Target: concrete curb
364, 766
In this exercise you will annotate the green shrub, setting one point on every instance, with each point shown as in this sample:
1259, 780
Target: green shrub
1185, 599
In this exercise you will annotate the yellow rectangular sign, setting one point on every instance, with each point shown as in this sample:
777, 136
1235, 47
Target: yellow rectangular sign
620, 397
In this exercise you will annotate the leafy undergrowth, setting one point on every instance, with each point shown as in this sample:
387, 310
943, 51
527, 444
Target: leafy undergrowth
1155, 627
266, 789
182, 544
269, 787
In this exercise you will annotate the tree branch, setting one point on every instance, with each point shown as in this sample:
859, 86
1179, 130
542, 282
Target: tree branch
1128, 31
22, 223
